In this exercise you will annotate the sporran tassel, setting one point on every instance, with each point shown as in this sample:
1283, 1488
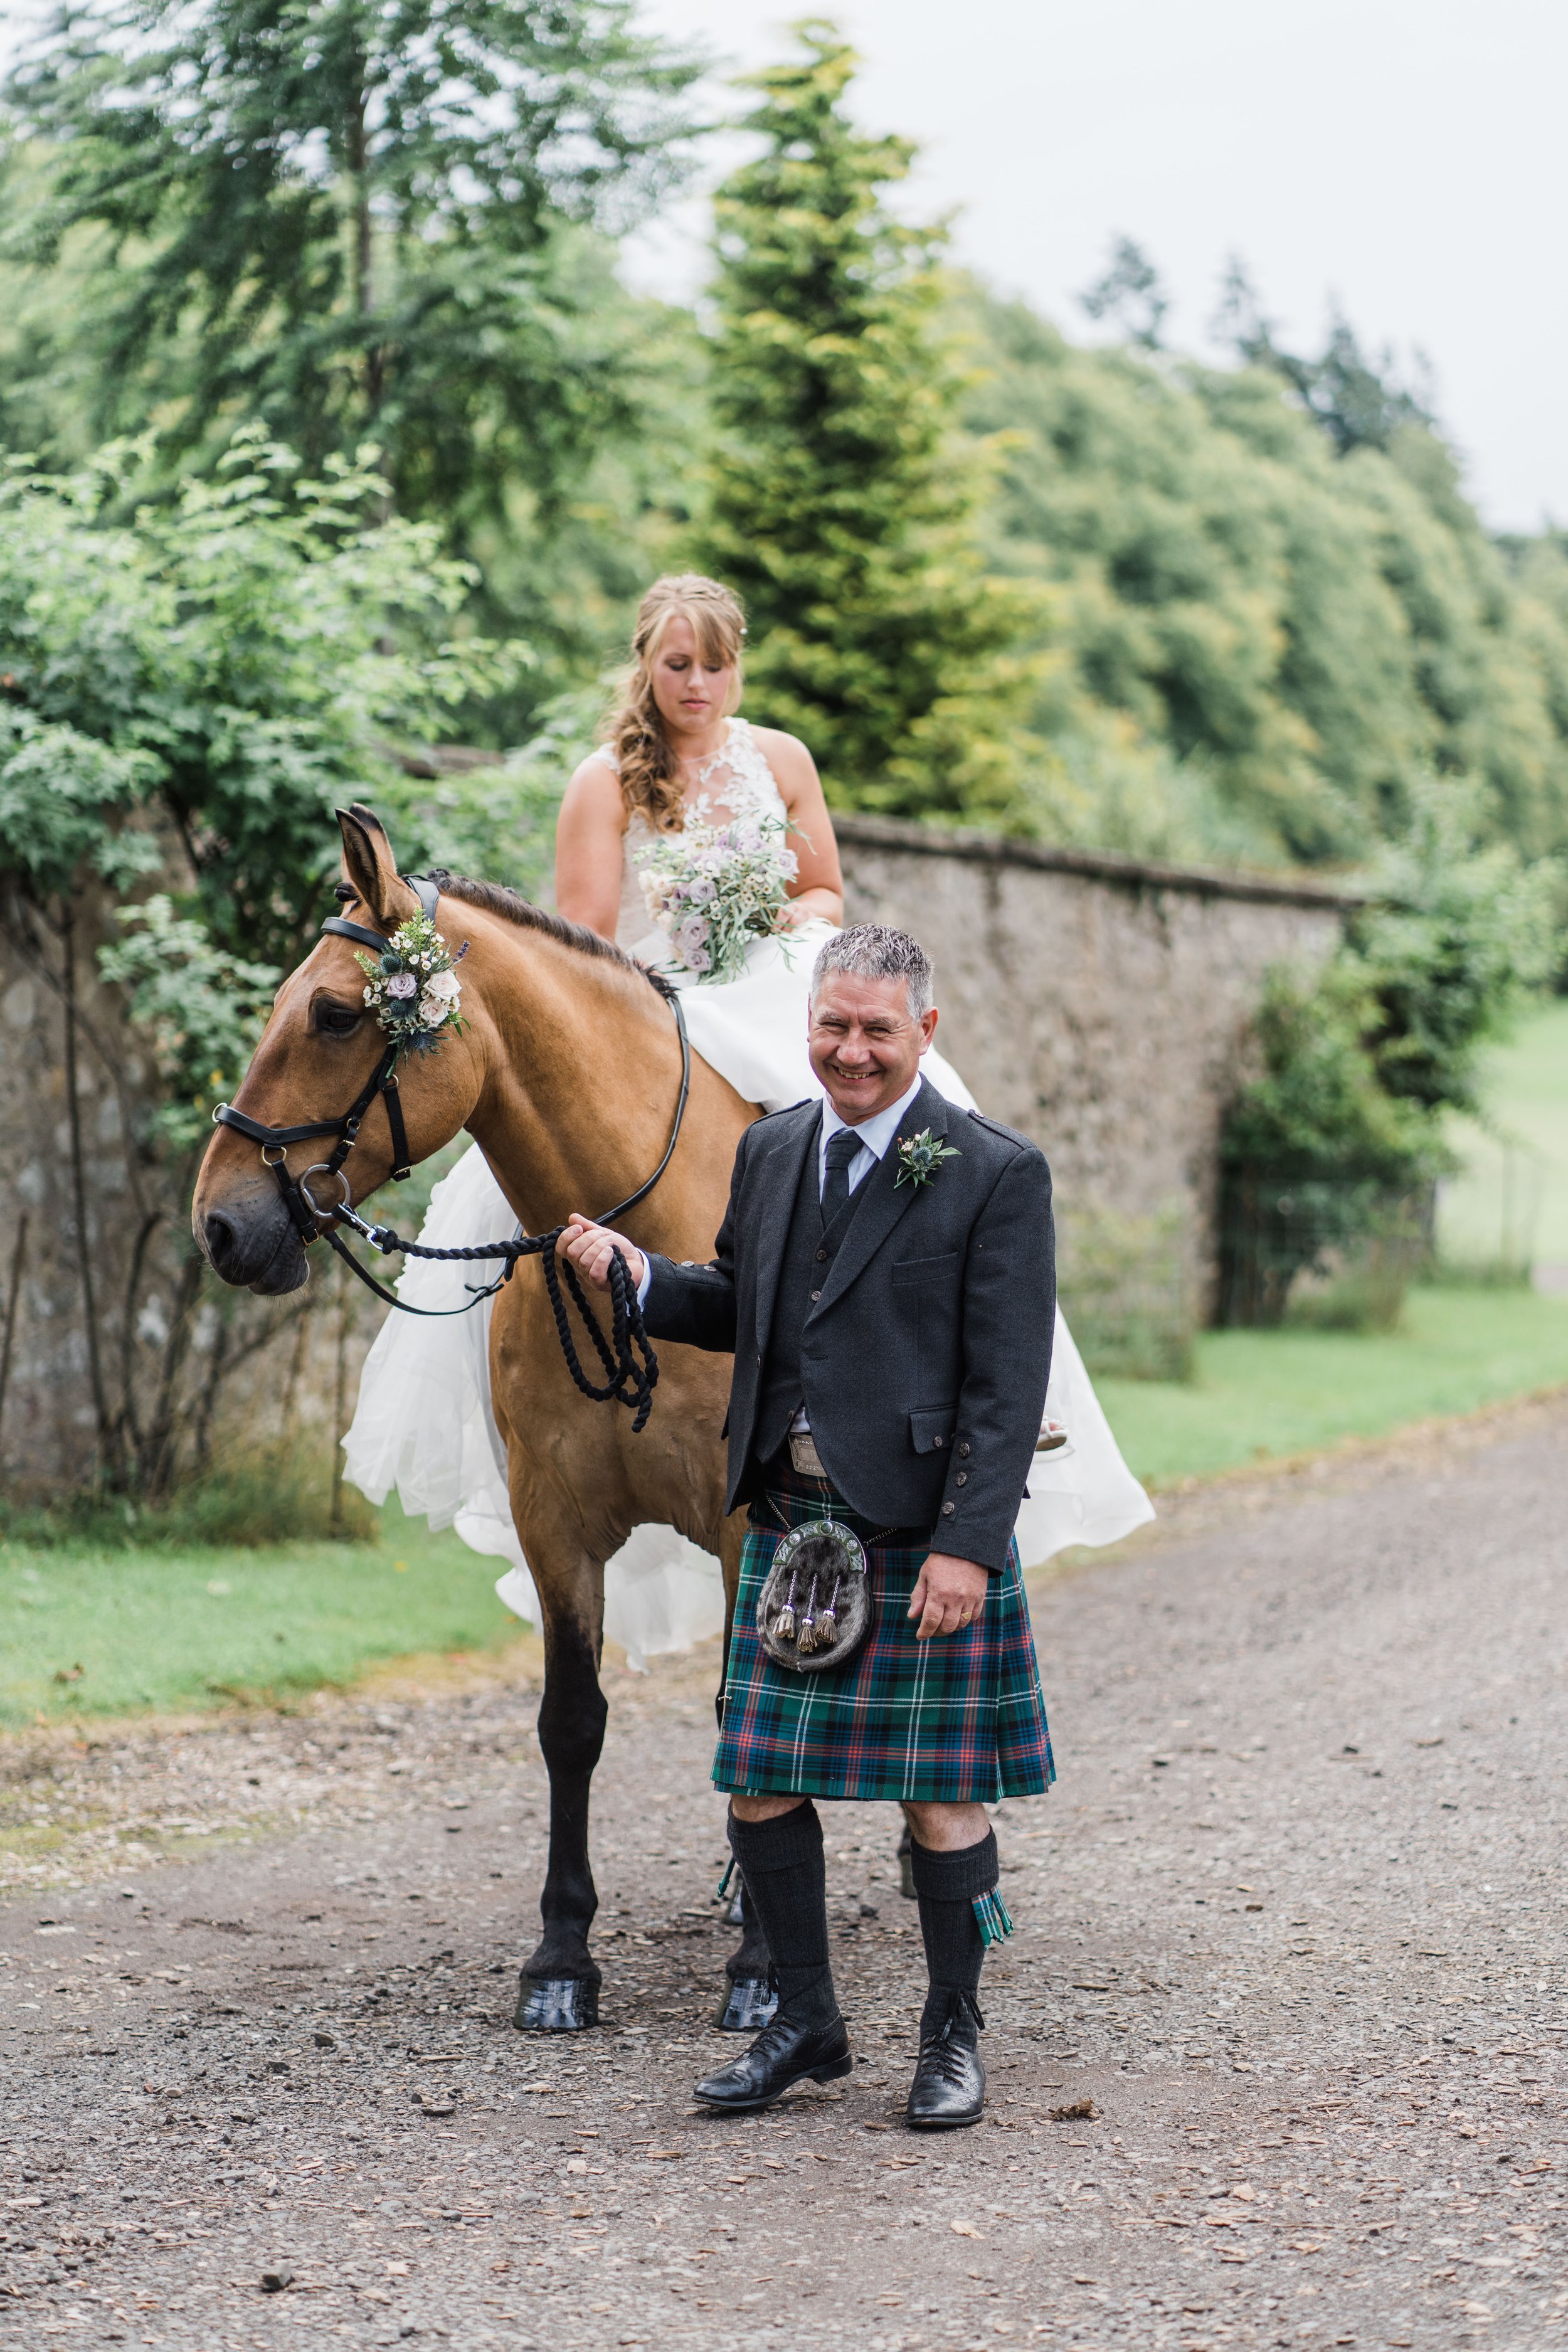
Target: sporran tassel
784, 1623
825, 1629
807, 1630
991, 1918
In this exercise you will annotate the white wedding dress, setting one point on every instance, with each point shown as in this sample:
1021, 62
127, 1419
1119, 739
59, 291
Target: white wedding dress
424, 1423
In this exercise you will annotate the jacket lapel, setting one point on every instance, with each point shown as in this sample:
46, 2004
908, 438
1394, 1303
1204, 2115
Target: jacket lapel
886, 1199
781, 1181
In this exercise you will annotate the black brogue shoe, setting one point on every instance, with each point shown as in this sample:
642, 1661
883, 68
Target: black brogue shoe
783, 2053
948, 2088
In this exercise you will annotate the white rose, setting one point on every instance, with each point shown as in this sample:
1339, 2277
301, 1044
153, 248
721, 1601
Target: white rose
442, 986
432, 1012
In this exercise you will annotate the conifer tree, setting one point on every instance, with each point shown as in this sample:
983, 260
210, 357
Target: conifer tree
842, 492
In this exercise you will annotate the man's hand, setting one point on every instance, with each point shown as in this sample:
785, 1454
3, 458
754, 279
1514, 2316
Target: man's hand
591, 1247
949, 1595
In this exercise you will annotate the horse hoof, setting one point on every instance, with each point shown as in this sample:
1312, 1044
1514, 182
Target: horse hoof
556, 2005
749, 2004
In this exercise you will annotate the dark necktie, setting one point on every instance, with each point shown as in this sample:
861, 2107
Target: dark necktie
841, 1149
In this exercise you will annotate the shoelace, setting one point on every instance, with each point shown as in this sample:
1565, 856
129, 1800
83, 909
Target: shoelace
771, 2039
940, 2050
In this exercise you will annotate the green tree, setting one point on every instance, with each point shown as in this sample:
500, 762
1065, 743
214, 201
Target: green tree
351, 221
1131, 292
843, 499
184, 698
1357, 399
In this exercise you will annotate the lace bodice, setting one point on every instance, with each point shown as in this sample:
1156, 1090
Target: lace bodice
736, 782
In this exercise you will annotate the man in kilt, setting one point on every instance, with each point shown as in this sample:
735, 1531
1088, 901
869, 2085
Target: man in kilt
885, 1281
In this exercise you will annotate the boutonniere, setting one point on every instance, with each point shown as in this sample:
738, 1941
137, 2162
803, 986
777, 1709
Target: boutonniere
919, 1157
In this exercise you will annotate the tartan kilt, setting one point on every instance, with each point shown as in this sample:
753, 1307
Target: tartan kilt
954, 1720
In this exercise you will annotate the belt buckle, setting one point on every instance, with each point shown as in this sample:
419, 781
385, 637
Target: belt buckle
804, 1456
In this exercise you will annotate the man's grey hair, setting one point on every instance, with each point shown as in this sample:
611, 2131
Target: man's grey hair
876, 951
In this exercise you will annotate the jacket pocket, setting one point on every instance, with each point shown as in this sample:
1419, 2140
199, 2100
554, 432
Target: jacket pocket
932, 1427
926, 1269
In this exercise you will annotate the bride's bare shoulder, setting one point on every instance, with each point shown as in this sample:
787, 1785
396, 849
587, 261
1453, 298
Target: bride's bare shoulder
787, 755
593, 793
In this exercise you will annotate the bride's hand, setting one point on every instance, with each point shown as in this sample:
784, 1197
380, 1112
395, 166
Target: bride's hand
591, 1247
811, 906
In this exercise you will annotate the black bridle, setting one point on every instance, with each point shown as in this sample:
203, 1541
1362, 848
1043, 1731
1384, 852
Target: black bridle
628, 1356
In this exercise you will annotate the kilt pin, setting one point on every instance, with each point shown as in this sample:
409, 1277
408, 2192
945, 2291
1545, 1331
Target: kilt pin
954, 1721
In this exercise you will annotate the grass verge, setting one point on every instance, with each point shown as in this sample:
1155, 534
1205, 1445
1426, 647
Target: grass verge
1265, 1395
90, 1630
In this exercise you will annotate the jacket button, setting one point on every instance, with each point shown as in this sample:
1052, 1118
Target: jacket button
816, 1294
822, 1257
947, 1510
963, 1448
962, 1479
937, 1439
759, 1363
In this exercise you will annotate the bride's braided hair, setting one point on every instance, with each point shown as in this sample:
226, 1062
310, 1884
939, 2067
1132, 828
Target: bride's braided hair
649, 772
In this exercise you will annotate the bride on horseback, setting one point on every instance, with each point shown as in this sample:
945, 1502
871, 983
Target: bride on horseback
677, 753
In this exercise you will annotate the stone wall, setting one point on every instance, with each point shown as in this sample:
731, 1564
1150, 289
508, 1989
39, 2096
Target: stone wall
162, 1362
1100, 1003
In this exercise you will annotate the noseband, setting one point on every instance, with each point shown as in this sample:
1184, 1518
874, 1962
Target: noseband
627, 1357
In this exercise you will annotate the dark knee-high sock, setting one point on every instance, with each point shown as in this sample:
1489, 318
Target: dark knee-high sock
787, 1886
946, 1887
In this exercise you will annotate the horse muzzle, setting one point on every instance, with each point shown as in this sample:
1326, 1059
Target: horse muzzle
252, 1245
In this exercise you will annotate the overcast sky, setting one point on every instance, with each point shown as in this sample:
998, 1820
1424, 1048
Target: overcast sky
1405, 157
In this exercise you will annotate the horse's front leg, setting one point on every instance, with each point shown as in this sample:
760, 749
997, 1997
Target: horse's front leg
560, 1988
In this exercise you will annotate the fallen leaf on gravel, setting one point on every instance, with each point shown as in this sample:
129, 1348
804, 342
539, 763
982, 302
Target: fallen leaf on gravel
1306, 2245
397, 2270
576, 2164
1079, 2111
965, 2229
1247, 2195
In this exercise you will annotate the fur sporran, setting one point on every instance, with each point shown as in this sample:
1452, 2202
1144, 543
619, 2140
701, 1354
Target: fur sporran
815, 1607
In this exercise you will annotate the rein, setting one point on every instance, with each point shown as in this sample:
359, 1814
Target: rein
627, 1357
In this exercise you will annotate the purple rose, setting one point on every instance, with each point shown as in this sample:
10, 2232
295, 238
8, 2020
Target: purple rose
402, 983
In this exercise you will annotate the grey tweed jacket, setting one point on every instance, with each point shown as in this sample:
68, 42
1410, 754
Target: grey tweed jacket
925, 1360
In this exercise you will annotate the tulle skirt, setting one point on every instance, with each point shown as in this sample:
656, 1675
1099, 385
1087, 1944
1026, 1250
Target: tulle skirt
424, 1423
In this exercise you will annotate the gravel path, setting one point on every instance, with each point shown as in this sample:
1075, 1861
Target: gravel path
1275, 2053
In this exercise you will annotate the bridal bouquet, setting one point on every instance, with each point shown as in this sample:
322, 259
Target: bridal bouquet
713, 888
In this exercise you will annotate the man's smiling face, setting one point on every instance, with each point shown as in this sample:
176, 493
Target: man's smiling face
865, 1044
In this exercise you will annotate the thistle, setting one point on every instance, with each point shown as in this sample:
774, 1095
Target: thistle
919, 1157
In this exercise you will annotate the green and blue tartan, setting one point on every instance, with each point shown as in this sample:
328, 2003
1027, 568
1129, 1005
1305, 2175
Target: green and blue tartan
954, 1720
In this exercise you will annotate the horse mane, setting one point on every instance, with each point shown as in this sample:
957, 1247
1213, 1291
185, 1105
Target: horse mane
496, 898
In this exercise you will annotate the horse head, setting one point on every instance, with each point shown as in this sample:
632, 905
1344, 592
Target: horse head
321, 1049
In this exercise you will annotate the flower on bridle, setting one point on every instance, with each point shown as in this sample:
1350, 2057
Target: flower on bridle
919, 1157
412, 985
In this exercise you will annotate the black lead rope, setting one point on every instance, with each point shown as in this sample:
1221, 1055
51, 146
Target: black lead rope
627, 1358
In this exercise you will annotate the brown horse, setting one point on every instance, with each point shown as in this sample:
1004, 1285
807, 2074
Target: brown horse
567, 1074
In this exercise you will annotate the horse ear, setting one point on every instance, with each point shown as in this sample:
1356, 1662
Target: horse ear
371, 868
